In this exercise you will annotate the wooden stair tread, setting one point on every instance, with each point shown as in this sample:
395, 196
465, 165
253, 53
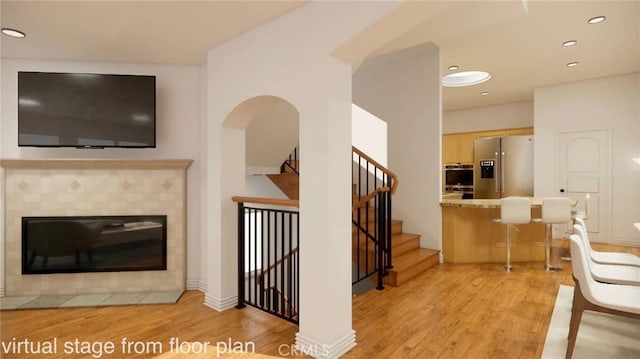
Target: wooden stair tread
402, 243
410, 264
409, 259
400, 238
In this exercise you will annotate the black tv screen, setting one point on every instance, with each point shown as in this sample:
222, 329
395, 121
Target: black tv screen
86, 110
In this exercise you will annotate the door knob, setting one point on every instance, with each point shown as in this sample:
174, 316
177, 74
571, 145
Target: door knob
561, 190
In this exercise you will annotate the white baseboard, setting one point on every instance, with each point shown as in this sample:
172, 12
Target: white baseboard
196, 284
317, 349
220, 304
441, 258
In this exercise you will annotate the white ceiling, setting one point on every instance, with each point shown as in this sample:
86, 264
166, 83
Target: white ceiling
521, 52
168, 32
527, 52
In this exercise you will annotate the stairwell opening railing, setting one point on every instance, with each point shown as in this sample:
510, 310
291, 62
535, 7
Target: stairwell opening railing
268, 259
373, 185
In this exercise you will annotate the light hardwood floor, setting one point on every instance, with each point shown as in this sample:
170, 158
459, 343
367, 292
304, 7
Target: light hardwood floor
450, 311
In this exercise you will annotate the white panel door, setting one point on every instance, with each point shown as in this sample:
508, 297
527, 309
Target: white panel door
584, 168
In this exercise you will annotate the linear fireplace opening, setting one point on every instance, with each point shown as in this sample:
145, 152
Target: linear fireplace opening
80, 244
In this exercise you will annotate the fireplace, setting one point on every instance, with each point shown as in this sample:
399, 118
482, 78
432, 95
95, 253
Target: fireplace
72, 189
78, 244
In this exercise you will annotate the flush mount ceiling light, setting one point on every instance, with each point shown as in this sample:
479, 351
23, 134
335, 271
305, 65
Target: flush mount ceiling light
465, 78
13, 32
596, 20
453, 68
569, 43
573, 64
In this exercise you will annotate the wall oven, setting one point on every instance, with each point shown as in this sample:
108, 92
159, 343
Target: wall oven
459, 179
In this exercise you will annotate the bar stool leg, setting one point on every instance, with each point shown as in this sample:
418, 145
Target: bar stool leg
508, 267
547, 248
565, 256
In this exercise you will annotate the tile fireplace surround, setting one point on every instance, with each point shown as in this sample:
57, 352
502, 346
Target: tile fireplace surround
94, 188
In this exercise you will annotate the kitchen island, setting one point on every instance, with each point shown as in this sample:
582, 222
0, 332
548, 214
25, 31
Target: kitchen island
470, 236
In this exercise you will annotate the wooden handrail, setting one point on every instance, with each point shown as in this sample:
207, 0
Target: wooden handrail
363, 200
394, 177
269, 201
262, 272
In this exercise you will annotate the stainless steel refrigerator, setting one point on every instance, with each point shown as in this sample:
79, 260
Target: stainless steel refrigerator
503, 167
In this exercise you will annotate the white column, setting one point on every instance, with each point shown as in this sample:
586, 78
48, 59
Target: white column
325, 219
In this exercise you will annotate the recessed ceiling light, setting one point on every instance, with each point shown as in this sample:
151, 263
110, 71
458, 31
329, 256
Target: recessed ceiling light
485, 93
569, 43
596, 20
573, 64
453, 67
465, 78
13, 32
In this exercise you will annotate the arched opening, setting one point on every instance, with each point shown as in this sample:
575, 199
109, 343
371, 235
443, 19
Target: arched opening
257, 137
271, 126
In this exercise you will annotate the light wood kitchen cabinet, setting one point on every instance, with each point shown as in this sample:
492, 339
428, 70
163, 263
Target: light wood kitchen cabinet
520, 131
458, 147
450, 148
465, 147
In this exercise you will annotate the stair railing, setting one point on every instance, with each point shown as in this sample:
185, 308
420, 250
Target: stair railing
373, 186
291, 162
268, 259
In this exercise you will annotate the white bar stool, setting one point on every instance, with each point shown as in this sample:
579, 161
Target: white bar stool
555, 210
513, 210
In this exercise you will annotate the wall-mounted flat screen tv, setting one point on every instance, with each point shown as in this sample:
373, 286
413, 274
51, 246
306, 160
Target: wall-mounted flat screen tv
86, 110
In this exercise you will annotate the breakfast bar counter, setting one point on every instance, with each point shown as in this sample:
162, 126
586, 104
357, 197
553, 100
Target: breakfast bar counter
470, 236
482, 203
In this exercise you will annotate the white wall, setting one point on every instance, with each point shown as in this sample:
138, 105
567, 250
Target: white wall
601, 104
403, 89
271, 137
511, 115
178, 121
369, 134
262, 186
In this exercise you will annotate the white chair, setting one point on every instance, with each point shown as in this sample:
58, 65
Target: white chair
608, 273
555, 210
575, 215
588, 294
513, 210
619, 258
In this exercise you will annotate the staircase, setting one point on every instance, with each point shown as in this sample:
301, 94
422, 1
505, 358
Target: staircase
407, 258
288, 182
